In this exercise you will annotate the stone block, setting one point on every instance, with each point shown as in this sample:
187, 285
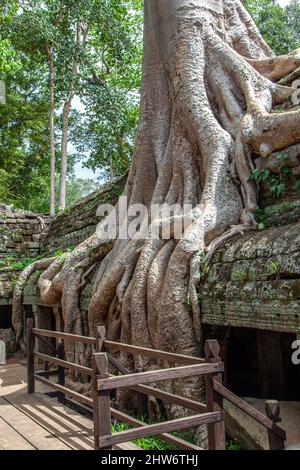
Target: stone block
33, 245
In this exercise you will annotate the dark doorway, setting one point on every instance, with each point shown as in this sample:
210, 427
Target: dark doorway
259, 364
5, 317
242, 362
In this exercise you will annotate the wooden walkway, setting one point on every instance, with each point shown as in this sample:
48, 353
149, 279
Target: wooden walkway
37, 422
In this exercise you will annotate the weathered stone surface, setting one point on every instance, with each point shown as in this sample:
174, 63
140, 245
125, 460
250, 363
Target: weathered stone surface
254, 281
253, 436
9, 338
79, 222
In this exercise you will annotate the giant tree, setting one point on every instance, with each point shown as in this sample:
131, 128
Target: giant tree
208, 90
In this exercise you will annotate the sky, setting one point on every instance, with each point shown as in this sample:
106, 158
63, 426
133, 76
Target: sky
82, 172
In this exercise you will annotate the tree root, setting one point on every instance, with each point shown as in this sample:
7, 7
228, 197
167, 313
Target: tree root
278, 67
290, 78
17, 310
233, 232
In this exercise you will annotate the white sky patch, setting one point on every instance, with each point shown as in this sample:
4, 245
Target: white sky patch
283, 3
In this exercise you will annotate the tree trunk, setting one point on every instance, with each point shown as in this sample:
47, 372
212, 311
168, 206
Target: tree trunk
51, 130
65, 123
64, 153
205, 113
111, 167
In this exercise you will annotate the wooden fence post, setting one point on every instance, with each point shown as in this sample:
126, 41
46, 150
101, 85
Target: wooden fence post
99, 347
101, 400
142, 399
100, 339
60, 353
30, 356
273, 412
215, 431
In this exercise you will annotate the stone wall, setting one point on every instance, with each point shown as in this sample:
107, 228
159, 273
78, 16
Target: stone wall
254, 281
78, 222
21, 233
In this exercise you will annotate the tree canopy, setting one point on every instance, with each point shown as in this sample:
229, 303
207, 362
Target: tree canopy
278, 25
101, 70
103, 93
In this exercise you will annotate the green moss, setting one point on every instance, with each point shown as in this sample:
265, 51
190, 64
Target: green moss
114, 193
268, 217
15, 263
239, 276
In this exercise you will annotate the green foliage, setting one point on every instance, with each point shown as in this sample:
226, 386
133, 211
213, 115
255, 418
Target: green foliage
259, 176
146, 443
204, 267
279, 26
275, 182
154, 442
8, 57
78, 188
297, 185
277, 187
13, 263
107, 85
111, 89
273, 268
233, 444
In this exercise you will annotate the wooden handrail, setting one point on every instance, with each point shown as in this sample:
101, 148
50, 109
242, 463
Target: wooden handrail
48, 344
115, 346
47, 373
249, 410
160, 428
177, 441
59, 335
59, 388
129, 380
65, 364
211, 414
157, 393
152, 353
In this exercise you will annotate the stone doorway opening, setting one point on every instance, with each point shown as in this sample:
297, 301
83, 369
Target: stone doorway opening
258, 363
45, 319
5, 317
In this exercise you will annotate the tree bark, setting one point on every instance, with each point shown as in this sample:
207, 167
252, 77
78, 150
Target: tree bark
64, 153
65, 128
51, 130
206, 112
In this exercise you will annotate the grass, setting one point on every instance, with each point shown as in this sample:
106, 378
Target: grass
146, 443
154, 442
233, 444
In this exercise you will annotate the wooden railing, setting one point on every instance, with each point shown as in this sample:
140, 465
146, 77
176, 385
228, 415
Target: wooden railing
211, 368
